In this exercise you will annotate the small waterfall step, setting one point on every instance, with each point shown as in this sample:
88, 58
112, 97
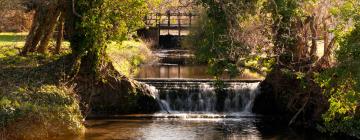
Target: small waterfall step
201, 96
190, 83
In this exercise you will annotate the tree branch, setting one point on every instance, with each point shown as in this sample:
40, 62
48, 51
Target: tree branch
299, 111
74, 10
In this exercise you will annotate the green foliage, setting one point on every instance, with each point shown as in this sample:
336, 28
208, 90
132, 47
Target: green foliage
343, 115
214, 39
342, 85
101, 22
112, 19
283, 13
296, 26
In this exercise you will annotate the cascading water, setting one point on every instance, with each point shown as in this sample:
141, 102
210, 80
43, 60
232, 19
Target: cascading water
185, 88
203, 97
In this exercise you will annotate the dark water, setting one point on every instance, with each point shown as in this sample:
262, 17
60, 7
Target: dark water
246, 128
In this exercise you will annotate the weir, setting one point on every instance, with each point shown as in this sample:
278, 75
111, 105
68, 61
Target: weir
204, 97
196, 93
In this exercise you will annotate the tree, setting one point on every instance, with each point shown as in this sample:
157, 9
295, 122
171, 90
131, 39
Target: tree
90, 26
222, 37
46, 16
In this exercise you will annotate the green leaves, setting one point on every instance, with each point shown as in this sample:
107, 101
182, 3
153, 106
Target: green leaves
112, 19
342, 83
104, 21
217, 40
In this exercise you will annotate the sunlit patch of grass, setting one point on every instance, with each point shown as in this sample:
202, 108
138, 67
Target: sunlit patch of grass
17, 39
12, 43
128, 55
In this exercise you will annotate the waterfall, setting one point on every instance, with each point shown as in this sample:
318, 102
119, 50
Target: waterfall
202, 97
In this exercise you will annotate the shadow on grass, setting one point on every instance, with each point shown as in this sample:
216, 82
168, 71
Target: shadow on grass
12, 37
32, 71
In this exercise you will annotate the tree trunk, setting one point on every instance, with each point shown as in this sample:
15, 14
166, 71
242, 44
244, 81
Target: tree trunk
44, 22
33, 35
87, 50
60, 34
100, 86
48, 31
313, 49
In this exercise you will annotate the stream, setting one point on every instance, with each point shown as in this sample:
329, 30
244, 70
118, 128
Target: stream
191, 109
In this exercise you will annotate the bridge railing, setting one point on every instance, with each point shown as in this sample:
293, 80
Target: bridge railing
170, 21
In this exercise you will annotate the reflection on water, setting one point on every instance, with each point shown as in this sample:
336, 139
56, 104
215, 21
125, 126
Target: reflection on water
248, 128
184, 72
179, 64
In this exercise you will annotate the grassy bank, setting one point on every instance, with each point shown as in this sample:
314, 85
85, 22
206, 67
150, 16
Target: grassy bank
128, 55
33, 102
35, 99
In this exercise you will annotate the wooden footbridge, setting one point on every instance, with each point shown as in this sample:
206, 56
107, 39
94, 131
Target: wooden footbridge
170, 21
165, 30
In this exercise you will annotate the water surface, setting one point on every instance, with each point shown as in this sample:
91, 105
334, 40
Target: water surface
242, 128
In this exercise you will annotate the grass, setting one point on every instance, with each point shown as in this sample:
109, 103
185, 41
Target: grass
128, 55
10, 43
34, 102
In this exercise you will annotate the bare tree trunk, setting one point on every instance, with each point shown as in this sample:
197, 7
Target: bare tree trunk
301, 41
60, 34
49, 30
33, 34
313, 49
326, 35
36, 35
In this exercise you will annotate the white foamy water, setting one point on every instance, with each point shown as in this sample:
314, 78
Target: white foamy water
201, 100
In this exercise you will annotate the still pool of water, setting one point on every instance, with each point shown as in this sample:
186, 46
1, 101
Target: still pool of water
193, 128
